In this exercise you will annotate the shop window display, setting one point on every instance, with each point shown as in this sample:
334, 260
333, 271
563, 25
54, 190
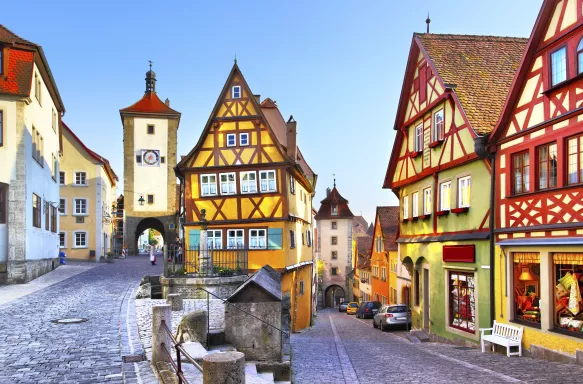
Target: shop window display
526, 288
568, 287
462, 304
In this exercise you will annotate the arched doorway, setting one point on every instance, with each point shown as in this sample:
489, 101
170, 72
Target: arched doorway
142, 234
334, 296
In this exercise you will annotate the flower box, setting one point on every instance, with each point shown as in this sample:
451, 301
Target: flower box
435, 143
460, 210
415, 154
442, 213
424, 217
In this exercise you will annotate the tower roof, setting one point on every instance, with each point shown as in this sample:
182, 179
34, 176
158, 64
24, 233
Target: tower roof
334, 198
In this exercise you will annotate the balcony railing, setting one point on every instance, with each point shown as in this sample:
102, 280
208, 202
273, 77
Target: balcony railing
207, 263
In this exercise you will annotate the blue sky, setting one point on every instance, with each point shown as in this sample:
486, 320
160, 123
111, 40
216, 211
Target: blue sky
336, 66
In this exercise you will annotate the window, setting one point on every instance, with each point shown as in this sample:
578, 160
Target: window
55, 167
334, 255
236, 92
463, 195
547, 166
559, 66
415, 198
417, 287
208, 185
292, 239
248, 182
301, 287
215, 239
139, 159
34, 139
243, 139
334, 209
36, 211
567, 280
267, 181
80, 178
231, 139
3, 194
62, 178
384, 274
334, 240
292, 185
303, 239
526, 280
405, 207
419, 138
438, 126
575, 160
47, 215
80, 239
579, 57
378, 244
150, 129
334, 225
309, 237
228, 186
62, 240
445, 196
150, 199
63, 206
1, 114
37, 90
235, 239
462, 301
334, 271
520, 173
257, 238
53, 219
427, 208
37, 146
163, 159
54, 120
80, 206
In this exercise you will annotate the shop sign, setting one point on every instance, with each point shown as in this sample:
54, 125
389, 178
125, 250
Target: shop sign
459, 253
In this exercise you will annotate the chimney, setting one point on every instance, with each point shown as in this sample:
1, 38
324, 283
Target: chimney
291, 138
167, 102
328, 191
258, 98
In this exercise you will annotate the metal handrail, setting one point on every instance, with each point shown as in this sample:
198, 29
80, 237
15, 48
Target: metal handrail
179, 349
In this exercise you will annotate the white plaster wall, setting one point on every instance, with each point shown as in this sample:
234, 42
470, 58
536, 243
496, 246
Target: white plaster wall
151, 180
99, 185
41, 243
343, 247
7, 163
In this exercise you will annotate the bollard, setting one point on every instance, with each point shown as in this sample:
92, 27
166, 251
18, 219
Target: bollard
175, 301
159, 335
224, 368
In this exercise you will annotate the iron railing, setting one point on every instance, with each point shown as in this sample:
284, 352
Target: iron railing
206, 262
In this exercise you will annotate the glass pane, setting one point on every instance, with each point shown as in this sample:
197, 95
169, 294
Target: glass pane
580, 60
559, 66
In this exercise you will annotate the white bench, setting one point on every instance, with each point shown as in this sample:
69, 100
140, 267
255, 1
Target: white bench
505, 335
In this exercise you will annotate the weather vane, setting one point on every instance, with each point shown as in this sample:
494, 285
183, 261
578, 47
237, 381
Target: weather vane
150, 61
334, 176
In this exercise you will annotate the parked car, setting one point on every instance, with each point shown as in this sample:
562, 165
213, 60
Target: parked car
392, 315
352, 308
368, 309
343, 306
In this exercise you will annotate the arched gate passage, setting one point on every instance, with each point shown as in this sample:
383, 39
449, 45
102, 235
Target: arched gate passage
334, 295
147, 223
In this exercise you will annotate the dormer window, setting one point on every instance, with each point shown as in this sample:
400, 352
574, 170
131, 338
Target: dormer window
334, 209
559, 66
236, 92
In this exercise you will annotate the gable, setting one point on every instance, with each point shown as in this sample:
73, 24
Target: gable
565, 15
238, 118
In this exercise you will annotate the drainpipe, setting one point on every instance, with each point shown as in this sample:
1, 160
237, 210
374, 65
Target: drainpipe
481, 148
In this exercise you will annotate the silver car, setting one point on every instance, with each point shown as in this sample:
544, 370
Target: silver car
343, 306
391, 315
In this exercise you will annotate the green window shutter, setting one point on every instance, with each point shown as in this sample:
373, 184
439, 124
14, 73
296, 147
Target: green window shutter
274, 238
194, 238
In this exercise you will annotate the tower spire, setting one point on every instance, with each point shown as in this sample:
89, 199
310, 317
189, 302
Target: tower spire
150, 79
428, 21
334, 175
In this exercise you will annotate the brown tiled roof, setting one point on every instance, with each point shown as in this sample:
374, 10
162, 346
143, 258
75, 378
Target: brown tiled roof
389, 222
359, 224
370, 230
9, 37
480, 70
364, 245
325, 211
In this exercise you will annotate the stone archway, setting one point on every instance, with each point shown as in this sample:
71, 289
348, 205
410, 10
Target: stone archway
334, 295
147, 223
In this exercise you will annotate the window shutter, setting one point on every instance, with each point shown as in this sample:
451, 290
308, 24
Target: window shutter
194, 238
274, 238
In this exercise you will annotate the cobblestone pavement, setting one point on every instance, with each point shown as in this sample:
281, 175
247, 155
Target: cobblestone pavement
343, 349
35, 350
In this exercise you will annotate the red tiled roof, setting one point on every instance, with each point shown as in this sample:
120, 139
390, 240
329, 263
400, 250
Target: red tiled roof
150, 103
480, 68
389, 222
364, 245
334, 197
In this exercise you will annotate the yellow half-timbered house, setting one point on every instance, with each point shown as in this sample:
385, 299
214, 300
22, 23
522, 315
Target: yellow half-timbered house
256, 188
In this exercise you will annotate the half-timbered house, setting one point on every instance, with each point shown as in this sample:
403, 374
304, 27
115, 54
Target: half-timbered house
539, 186
453, 90
248, 174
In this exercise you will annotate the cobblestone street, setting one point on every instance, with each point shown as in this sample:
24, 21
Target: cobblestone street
36, 350
343, 349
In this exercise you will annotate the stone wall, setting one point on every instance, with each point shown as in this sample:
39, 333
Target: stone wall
188, 287
257, 340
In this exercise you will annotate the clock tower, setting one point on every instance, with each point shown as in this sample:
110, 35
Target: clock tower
150, 130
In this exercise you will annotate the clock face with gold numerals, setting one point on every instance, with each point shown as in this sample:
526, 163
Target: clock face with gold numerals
151, 157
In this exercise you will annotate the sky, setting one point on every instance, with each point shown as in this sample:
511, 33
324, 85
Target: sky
336, 66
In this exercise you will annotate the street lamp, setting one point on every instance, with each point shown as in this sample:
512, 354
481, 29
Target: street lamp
141, 200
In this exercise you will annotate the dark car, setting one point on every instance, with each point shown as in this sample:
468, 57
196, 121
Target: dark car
343, 306
368, 309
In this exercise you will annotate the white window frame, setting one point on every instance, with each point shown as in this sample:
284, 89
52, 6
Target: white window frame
236, 92
75, 213
309, 237
436, 136
208, 184
415, 203
554, 71
64, 177
464, 182
427, 202
239, 235
442, 186
259, 238
405, 207
64, 246
65, 207
246, 136
231, 136
228, 183
418, 147
75, 179
214, 241
292, 185
75, 239
267, 173
334, 209
250, 186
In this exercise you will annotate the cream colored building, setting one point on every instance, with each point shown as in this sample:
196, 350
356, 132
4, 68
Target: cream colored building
87, 184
